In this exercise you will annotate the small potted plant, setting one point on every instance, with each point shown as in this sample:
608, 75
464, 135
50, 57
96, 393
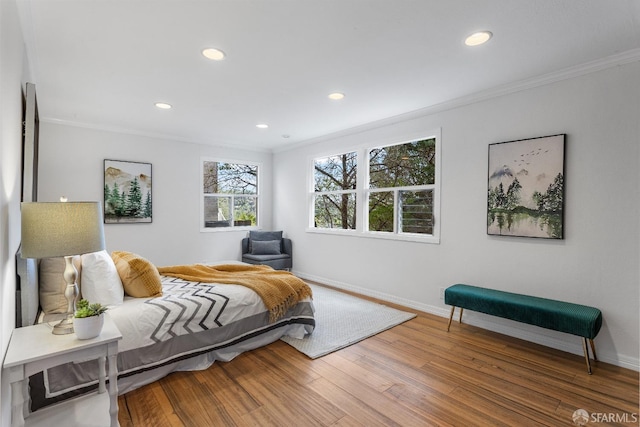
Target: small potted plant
88, 319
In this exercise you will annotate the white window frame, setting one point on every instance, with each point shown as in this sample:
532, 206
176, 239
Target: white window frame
363, 191
257, 196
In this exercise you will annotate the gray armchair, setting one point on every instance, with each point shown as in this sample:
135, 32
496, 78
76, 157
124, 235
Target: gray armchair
268, 248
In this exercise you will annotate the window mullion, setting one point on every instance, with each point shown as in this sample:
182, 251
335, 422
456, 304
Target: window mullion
232, 209
396, 211
362, 185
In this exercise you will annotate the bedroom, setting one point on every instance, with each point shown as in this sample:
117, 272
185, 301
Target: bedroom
595, 104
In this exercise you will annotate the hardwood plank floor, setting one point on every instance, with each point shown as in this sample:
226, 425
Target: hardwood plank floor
415, 374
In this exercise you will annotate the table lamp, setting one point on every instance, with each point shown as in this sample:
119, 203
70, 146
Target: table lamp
62, 229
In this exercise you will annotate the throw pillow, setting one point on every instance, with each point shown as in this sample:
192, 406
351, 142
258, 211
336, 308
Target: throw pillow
52, 284
265, 247
100, 279
255, 235
265, 235
140, 277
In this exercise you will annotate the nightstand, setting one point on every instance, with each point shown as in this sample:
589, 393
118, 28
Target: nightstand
34, 348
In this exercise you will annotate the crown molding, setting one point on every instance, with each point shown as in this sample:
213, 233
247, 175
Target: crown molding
615, 60
166, 137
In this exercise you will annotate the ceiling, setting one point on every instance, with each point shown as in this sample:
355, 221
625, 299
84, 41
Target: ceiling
105, 63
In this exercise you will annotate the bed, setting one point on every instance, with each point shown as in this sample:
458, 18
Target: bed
189, 326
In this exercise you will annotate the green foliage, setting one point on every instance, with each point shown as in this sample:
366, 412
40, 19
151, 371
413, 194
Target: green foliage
513, 194
131, 204
85, 309
549, 202
403, 165
381, 211
246, 216
113, 204
147, 205
133, 207
510, 200
245, 209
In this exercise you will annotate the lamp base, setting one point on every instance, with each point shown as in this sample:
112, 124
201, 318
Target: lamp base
64, 327
71, 293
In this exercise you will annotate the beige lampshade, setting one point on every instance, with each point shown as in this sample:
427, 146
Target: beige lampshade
60, 229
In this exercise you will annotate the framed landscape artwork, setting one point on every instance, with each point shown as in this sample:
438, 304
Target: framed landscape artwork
526, 188
127, 192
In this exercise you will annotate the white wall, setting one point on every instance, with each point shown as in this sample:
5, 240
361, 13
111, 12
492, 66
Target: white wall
71, 164
597, 262
12, 69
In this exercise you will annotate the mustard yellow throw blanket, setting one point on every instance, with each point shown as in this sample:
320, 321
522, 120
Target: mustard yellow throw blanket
279, 290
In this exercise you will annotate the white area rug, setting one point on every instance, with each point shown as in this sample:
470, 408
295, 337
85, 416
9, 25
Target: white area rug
342, 320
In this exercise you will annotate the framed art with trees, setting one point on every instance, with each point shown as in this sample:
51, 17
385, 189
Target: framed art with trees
526, 188
127, 192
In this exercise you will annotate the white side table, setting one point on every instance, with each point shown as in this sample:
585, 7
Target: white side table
34, 348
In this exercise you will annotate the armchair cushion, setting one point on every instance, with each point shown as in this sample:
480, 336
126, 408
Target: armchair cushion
262, 236
277, 262
265, 247
265, 235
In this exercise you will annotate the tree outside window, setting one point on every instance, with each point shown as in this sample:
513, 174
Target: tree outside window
335, 191
230, 192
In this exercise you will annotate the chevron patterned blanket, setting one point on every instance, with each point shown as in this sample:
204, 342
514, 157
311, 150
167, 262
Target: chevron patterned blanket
279, 290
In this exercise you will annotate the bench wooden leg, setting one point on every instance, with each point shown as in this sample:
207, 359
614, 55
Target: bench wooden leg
593, 349
586, 355
453, 308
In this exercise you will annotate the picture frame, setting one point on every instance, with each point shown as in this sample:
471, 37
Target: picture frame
525, 196
127, 192
30, 144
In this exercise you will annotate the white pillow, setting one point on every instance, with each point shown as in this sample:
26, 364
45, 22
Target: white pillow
100, 280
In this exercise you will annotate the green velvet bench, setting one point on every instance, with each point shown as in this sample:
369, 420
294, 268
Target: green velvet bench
560, 316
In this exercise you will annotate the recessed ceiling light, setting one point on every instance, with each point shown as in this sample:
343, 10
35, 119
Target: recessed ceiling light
163, 105
336, 96
262, 126
213, 54
478, 38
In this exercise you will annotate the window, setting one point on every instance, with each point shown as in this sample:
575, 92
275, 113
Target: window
401, 187
334, 199
229, 194
390, 191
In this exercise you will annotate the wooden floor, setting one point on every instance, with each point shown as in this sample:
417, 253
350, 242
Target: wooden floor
415, 374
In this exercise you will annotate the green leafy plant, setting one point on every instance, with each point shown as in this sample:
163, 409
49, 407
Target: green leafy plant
85, 309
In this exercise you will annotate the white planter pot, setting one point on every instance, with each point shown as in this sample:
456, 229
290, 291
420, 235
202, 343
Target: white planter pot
88, 327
